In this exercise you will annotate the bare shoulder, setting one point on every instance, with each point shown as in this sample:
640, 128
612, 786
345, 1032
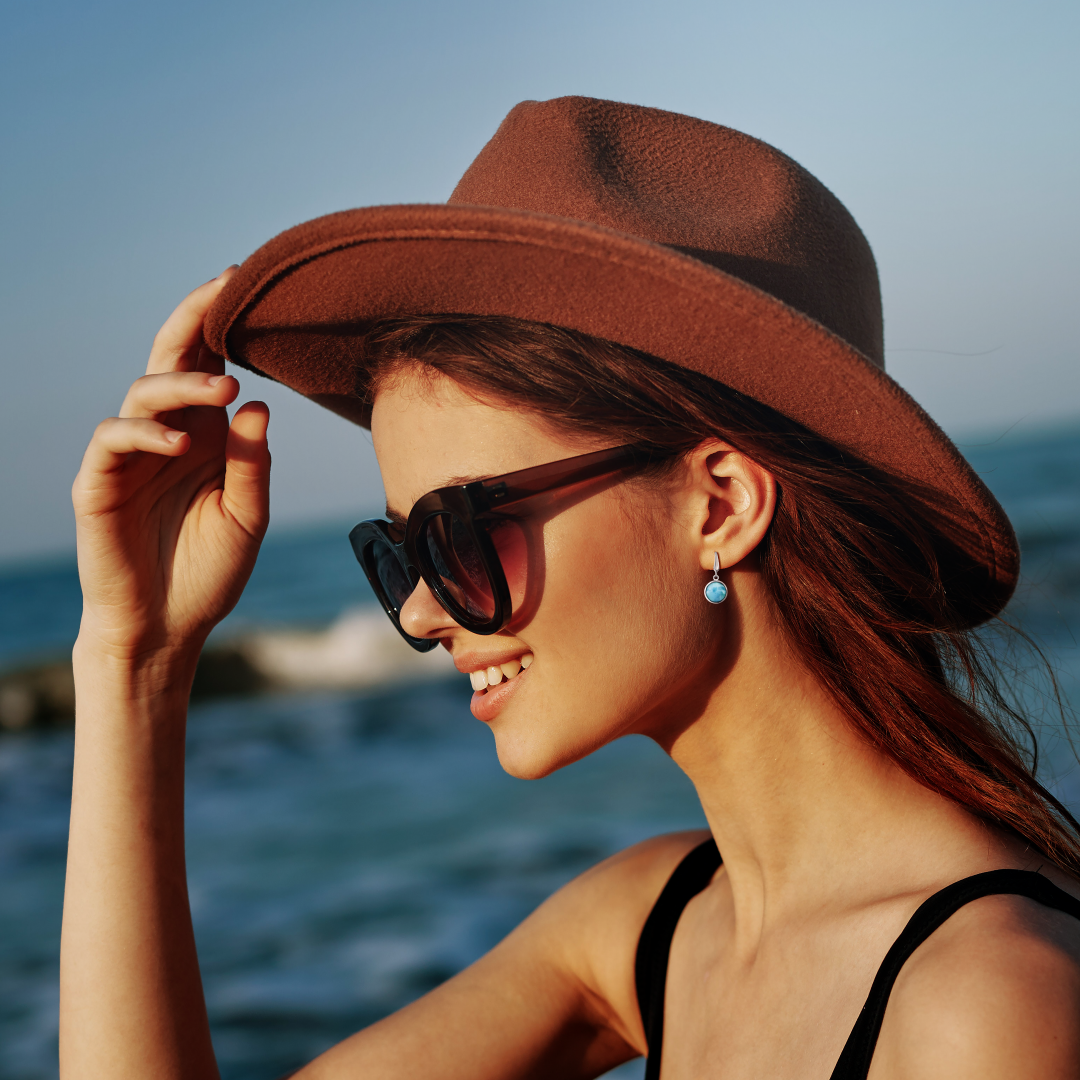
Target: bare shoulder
611, 901
633, 876
595, 920
995, 992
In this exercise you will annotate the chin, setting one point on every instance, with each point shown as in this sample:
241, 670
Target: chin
529, 750
526, 761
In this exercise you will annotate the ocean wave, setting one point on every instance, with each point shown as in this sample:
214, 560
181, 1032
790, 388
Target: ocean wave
360, 650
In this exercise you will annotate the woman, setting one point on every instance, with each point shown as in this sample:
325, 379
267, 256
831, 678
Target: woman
644, 473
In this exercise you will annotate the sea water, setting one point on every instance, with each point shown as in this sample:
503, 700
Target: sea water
347, 852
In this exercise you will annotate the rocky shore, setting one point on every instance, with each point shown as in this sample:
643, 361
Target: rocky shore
360, 651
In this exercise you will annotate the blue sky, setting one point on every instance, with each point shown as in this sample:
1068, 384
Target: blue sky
146, 146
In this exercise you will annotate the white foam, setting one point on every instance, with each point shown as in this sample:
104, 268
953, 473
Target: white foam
361, 650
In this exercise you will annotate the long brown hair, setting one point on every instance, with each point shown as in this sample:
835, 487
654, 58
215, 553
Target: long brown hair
874, 596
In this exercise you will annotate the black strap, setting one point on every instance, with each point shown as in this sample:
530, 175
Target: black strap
854, 1063
696, 871
650, 966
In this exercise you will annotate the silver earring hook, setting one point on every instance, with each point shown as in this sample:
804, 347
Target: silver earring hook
716, 591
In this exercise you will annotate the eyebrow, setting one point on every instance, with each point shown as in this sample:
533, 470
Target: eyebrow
450, 481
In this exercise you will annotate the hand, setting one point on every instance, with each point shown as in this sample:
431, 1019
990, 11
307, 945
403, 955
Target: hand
171, 502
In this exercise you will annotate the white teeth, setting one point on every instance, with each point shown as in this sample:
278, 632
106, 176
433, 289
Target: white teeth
494, 675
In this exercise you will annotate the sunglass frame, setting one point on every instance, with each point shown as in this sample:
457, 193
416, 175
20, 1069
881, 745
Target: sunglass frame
471, 504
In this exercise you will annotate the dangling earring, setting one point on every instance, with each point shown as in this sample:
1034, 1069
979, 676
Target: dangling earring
716, 590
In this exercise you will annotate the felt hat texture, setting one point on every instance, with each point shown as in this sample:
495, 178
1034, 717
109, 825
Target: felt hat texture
675, 236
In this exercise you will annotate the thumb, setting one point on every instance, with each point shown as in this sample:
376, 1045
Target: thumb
247, 468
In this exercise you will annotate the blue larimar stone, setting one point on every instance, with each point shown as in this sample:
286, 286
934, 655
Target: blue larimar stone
716, 592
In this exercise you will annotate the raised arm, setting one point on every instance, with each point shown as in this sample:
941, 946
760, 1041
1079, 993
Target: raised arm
171, 504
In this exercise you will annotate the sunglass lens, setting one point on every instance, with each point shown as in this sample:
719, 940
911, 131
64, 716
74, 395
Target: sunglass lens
460, 566
389, 572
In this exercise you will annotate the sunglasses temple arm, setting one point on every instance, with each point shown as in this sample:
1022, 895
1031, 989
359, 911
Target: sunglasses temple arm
513, 488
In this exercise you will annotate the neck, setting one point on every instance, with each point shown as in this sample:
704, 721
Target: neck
805, 811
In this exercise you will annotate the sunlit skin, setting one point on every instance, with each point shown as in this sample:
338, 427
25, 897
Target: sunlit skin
828, 847
605, 560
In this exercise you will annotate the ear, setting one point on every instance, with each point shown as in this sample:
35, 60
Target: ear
733, 500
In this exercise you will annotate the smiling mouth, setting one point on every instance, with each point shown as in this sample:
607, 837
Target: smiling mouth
496, 674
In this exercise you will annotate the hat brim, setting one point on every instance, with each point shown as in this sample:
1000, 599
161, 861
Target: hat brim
296, 307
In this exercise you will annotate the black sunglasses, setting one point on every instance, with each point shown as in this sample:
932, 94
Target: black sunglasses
447, 541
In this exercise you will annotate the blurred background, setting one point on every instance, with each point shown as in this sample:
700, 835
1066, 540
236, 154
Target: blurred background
352, 839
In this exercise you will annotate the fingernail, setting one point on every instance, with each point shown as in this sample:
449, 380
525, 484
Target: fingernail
215, 379
173, 436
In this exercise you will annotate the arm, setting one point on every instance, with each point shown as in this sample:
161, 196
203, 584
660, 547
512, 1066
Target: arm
168, 532
171, 504
556, 998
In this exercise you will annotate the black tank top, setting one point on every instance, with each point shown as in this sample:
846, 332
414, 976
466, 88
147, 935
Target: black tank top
696, 871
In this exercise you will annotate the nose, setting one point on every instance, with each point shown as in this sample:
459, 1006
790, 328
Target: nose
422, 616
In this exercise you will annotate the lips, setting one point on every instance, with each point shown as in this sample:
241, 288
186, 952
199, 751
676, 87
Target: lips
494, 679
488, 703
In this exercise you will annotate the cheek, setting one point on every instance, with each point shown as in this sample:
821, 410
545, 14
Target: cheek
623, 614
620, 629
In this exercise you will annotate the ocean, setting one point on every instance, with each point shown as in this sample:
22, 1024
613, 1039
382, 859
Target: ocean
349, 850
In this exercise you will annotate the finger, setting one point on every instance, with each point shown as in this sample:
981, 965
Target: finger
247, 468
176, 346
115, 438
153, 395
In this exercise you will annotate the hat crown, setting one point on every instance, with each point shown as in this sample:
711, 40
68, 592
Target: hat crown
706, 190
680, 238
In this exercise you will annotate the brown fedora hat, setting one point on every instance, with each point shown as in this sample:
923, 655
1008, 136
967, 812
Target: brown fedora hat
678, 237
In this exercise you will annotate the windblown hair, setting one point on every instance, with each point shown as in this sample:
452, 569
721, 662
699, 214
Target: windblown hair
874, 595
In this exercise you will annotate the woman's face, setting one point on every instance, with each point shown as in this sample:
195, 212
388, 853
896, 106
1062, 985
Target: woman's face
605, 580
